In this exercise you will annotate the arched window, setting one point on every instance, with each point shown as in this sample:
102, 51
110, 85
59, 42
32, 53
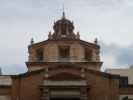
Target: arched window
64, 51
39, 54
88, 54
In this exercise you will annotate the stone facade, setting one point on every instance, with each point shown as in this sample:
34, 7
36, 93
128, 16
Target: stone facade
71, 64
64, 67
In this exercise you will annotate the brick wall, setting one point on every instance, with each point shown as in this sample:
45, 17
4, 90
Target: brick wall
26, 87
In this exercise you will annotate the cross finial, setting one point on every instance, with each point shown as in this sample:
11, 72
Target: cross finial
63, 14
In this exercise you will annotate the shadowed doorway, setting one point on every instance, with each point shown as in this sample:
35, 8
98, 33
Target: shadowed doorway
65, 98
68, 94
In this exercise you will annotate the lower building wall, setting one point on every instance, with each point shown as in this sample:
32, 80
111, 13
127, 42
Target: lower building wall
102, 88
26, 87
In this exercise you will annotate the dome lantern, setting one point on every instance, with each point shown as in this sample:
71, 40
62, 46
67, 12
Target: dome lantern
63, 28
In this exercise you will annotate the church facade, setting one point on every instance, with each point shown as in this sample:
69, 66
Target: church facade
72, 66
64, 67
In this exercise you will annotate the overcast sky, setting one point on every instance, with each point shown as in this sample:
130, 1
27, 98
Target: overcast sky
111, 21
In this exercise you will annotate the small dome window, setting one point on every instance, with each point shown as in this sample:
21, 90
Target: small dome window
64, 51
39, 54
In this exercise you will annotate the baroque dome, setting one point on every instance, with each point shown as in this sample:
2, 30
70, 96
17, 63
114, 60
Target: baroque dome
63, 28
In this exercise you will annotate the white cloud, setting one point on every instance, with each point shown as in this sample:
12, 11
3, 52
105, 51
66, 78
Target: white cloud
116, 56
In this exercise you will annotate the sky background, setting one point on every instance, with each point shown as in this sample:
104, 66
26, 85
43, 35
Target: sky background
111, 21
